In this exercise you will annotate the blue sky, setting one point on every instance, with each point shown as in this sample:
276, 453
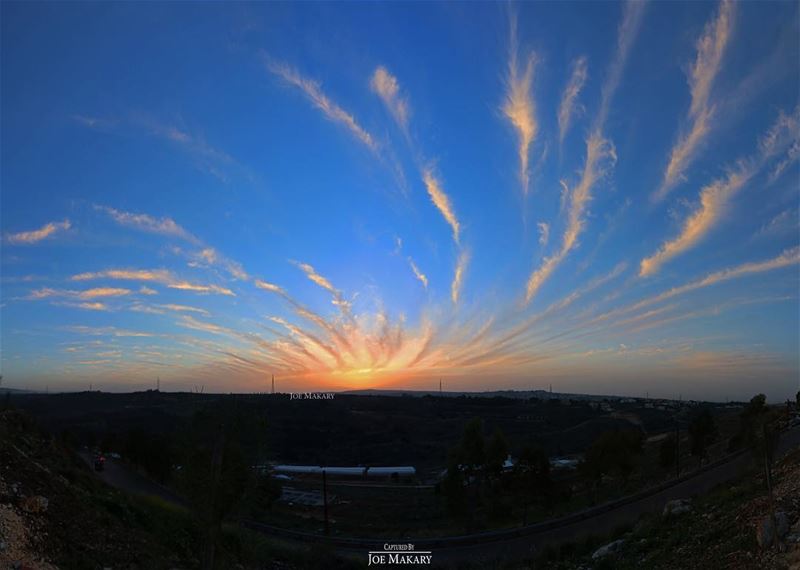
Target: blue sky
601, 196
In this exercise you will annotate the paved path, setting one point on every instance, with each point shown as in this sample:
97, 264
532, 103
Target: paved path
122, 476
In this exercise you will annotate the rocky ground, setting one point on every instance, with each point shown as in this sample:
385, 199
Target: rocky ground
730, 528
54, 514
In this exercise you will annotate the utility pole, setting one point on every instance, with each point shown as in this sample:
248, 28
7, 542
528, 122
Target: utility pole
440, 387
325, 498
677, 451
273, 383
158, 383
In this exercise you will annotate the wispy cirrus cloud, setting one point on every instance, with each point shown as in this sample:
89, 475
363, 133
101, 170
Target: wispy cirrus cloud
386, 86
388, 89
145, 223
714, 197
787, 258
792, 156
569, 107
313, 91
417, 273
713, 201
442, 202
98, 292
519, 107
166, 226
626, 34
211, 256
600, 153
206, 157
338, 298
784, 223
35, 236
710, 50
161, 276
458, 277
544, 233
600, 156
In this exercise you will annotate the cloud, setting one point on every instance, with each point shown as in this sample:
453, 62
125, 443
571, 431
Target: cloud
600, 156
184, 309
35, 236
192, 323
312, 90
458, 277
207, 157
161, 276
713, 201
312, 274
211, 256
157, 275
442, 202
103, 292
544, 233
710, 50
95, 122
792, 156
783, 223
149, 224
106, 331
96, 306
88, 294
338, 298
388, 89
417, 273
519, 107
600, 152
386, 86
714, 197
199, 288
626, 34
569, 107
683, 153
786, 258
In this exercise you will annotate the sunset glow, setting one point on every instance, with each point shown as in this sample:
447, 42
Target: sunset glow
386, 195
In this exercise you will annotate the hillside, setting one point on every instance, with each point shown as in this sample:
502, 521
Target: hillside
720, 530
54, 513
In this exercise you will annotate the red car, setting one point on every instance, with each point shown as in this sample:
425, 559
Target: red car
99, 463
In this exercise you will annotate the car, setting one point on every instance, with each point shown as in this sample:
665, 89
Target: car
99, 463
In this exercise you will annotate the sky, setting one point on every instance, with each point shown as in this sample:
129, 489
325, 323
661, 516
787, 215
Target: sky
603, 197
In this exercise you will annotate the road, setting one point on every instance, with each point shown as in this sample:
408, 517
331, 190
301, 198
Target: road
505, 544
122, 476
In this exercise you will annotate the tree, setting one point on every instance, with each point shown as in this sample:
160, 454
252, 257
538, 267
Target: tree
496, 453
613, 452
702, 430
216, 472
532, 475
666, 452
760, 432
472, 445
453, 487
